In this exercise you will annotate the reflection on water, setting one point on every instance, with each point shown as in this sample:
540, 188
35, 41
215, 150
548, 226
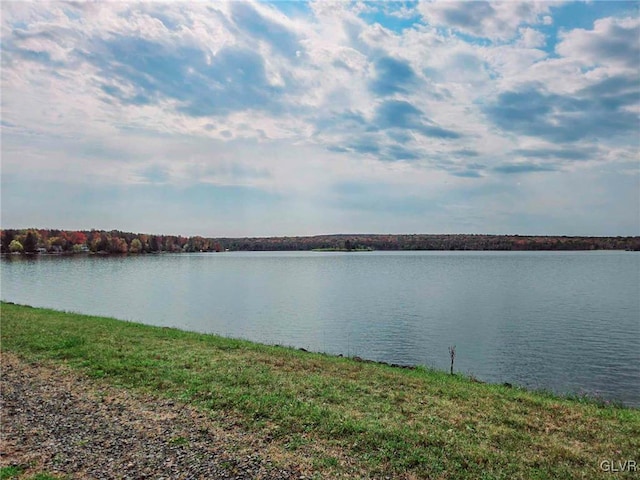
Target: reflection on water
567, 321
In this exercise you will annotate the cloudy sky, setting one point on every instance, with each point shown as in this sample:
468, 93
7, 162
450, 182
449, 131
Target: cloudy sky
299, 118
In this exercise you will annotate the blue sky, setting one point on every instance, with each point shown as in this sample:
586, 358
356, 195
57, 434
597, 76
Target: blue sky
300, 118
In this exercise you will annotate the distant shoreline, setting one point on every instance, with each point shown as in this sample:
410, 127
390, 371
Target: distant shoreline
34, 241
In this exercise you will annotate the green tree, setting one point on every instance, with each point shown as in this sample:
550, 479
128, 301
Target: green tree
154, 244
7, 237
16, 246
30, 243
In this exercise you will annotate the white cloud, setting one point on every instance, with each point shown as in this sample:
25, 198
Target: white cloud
530, 38
243, 95
494, 20
611, 42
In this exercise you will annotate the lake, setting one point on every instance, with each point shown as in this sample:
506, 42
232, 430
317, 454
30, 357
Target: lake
562, 321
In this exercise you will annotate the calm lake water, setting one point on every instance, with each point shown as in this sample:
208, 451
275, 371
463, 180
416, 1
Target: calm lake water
565, 321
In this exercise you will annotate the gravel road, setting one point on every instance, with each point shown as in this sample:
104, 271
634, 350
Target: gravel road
56, 421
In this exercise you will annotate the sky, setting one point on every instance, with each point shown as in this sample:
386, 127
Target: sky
300, 118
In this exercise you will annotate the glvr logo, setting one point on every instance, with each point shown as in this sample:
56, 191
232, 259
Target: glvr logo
619, 466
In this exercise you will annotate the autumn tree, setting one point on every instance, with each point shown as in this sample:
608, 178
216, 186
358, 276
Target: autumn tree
144, 241
15, 246
78, 238
118, 245
136, 246
100, 243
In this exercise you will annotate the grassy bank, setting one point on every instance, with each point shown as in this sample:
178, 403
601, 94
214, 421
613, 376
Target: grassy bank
339, 416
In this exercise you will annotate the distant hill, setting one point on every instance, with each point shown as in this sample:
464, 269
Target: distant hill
99, 241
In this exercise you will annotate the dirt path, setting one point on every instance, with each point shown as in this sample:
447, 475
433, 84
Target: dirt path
56, 421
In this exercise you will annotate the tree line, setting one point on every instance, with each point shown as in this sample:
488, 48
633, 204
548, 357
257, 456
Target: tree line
32, 241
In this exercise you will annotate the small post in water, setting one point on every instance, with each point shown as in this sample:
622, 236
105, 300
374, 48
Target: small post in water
452, 354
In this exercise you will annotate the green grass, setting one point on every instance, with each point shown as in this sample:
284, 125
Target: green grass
340, 416
10, 473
